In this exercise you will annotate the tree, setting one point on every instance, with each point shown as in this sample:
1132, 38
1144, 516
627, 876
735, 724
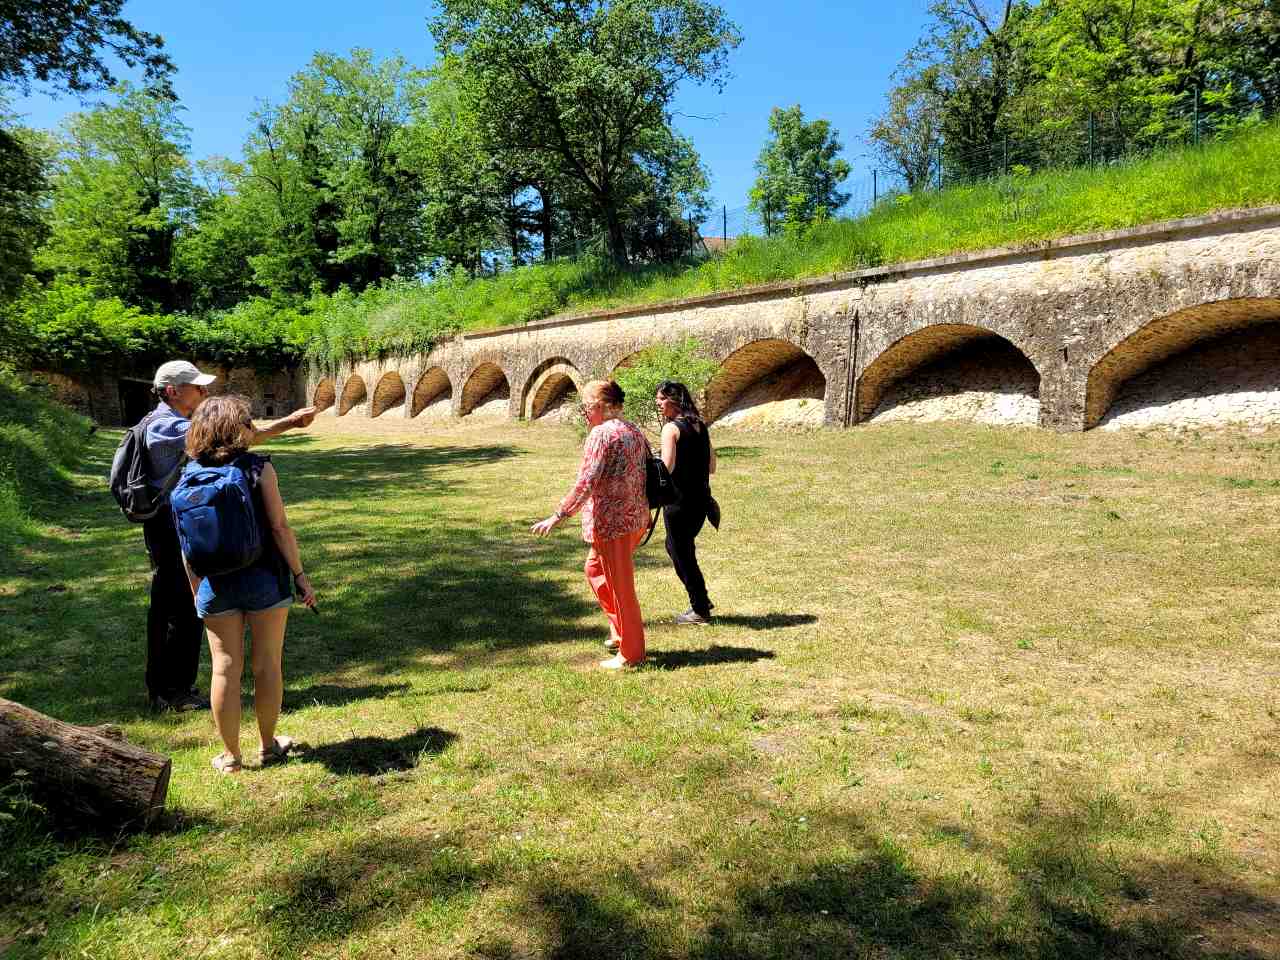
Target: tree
24, 160
584, 83
798, 172
328, 176
62, 42
121, 193
906, 135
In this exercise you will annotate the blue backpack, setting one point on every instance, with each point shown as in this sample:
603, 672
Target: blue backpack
217, 525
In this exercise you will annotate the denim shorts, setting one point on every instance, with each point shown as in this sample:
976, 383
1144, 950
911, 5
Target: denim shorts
251, 590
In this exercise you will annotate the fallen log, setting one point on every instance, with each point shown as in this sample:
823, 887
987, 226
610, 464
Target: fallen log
88, 773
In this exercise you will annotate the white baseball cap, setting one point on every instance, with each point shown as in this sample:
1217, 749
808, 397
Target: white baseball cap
176, 373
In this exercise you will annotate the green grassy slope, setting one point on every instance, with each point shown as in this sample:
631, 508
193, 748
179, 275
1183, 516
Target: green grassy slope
1240, 172
39, 441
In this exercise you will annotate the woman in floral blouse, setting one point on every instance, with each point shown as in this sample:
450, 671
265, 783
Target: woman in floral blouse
610, 491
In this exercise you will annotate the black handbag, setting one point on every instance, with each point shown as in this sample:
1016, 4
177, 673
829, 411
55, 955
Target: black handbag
659, 488
658, 485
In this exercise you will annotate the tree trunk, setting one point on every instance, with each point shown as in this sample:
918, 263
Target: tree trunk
545, 223
617, 237
86, 773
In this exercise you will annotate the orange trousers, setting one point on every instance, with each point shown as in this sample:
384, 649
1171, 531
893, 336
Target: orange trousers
611, 572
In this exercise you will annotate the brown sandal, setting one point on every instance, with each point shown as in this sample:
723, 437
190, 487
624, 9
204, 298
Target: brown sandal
226, 763
279, 752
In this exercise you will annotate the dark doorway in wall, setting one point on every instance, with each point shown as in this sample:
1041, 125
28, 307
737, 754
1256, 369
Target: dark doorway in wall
135, 400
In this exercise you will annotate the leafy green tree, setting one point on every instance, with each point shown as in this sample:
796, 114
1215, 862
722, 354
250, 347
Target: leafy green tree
122, 191
798, 172
212, 258
24, 160
584, 83
63, 42
906, 135
326, 173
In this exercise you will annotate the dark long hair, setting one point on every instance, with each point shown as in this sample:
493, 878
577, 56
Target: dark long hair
677, 391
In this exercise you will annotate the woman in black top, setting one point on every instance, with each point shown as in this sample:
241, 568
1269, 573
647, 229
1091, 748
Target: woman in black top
688, 454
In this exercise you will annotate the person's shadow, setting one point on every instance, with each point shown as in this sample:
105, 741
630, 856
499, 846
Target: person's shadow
376, 755
706, 657
765, 621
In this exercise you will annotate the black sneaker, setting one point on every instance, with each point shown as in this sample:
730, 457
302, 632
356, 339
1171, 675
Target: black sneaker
692, 616
188, 702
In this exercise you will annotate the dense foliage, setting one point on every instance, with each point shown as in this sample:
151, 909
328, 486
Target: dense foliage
1063, 81
685, 362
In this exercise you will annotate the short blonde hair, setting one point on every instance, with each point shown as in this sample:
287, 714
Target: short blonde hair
221, 430
603, 391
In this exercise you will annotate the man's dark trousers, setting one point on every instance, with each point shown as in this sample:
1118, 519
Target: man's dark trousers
174, 632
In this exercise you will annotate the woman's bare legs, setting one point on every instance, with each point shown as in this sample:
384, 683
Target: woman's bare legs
267, 631
226, 650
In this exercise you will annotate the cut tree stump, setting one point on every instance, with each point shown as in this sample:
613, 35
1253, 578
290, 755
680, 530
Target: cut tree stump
89, 773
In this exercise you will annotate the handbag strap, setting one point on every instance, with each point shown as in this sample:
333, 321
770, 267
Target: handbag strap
653, 524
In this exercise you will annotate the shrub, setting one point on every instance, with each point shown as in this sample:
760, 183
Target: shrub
685, 361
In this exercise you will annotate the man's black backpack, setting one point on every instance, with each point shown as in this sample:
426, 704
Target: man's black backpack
128, 477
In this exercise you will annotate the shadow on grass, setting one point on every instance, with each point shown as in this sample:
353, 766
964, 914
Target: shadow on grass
765, 621
334, 695
375, 755
708, 657
401, 574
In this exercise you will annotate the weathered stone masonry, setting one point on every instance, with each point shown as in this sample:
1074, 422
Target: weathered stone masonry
1088, 313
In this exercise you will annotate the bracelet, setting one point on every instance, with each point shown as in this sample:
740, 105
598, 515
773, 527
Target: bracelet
298, 574
558, 515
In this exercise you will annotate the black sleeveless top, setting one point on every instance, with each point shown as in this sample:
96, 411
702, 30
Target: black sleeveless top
692, 475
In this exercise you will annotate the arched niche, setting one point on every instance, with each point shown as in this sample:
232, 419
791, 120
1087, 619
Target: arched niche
388, 394
486, 384
325, 395
432, 387
767, 371
950, 371
547, 387
1163, 339
354, 393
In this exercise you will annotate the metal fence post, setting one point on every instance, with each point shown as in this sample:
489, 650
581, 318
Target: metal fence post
724, 224
939, 164
1091, 134
875, 187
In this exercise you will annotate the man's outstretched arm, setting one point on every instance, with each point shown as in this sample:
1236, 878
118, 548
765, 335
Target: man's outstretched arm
297, 419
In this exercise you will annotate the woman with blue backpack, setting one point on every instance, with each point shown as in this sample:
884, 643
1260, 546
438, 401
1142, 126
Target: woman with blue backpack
243, 563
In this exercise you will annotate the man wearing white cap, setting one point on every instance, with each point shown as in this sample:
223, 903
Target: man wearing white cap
174, 632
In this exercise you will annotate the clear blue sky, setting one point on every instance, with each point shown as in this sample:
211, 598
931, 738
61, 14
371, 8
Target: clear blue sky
833, 57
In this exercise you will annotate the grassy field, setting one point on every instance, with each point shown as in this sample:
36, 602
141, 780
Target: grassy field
1012, 210
973, 692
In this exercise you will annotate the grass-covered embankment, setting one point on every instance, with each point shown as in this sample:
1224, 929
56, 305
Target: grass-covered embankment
39, 442
994, 693
1238, 172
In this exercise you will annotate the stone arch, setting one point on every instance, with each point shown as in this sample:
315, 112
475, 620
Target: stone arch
1165, 337
626, 361
354, 393
486, 383
764, 371
325, 396
548, 385
434, 385
957, 354
388, 394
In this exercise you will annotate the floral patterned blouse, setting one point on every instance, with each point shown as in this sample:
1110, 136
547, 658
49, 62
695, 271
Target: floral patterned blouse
610, 489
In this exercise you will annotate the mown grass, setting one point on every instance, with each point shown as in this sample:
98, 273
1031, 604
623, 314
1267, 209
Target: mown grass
409, 317
972, 692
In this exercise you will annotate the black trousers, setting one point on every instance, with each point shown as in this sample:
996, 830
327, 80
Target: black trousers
684, 521
174, 632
